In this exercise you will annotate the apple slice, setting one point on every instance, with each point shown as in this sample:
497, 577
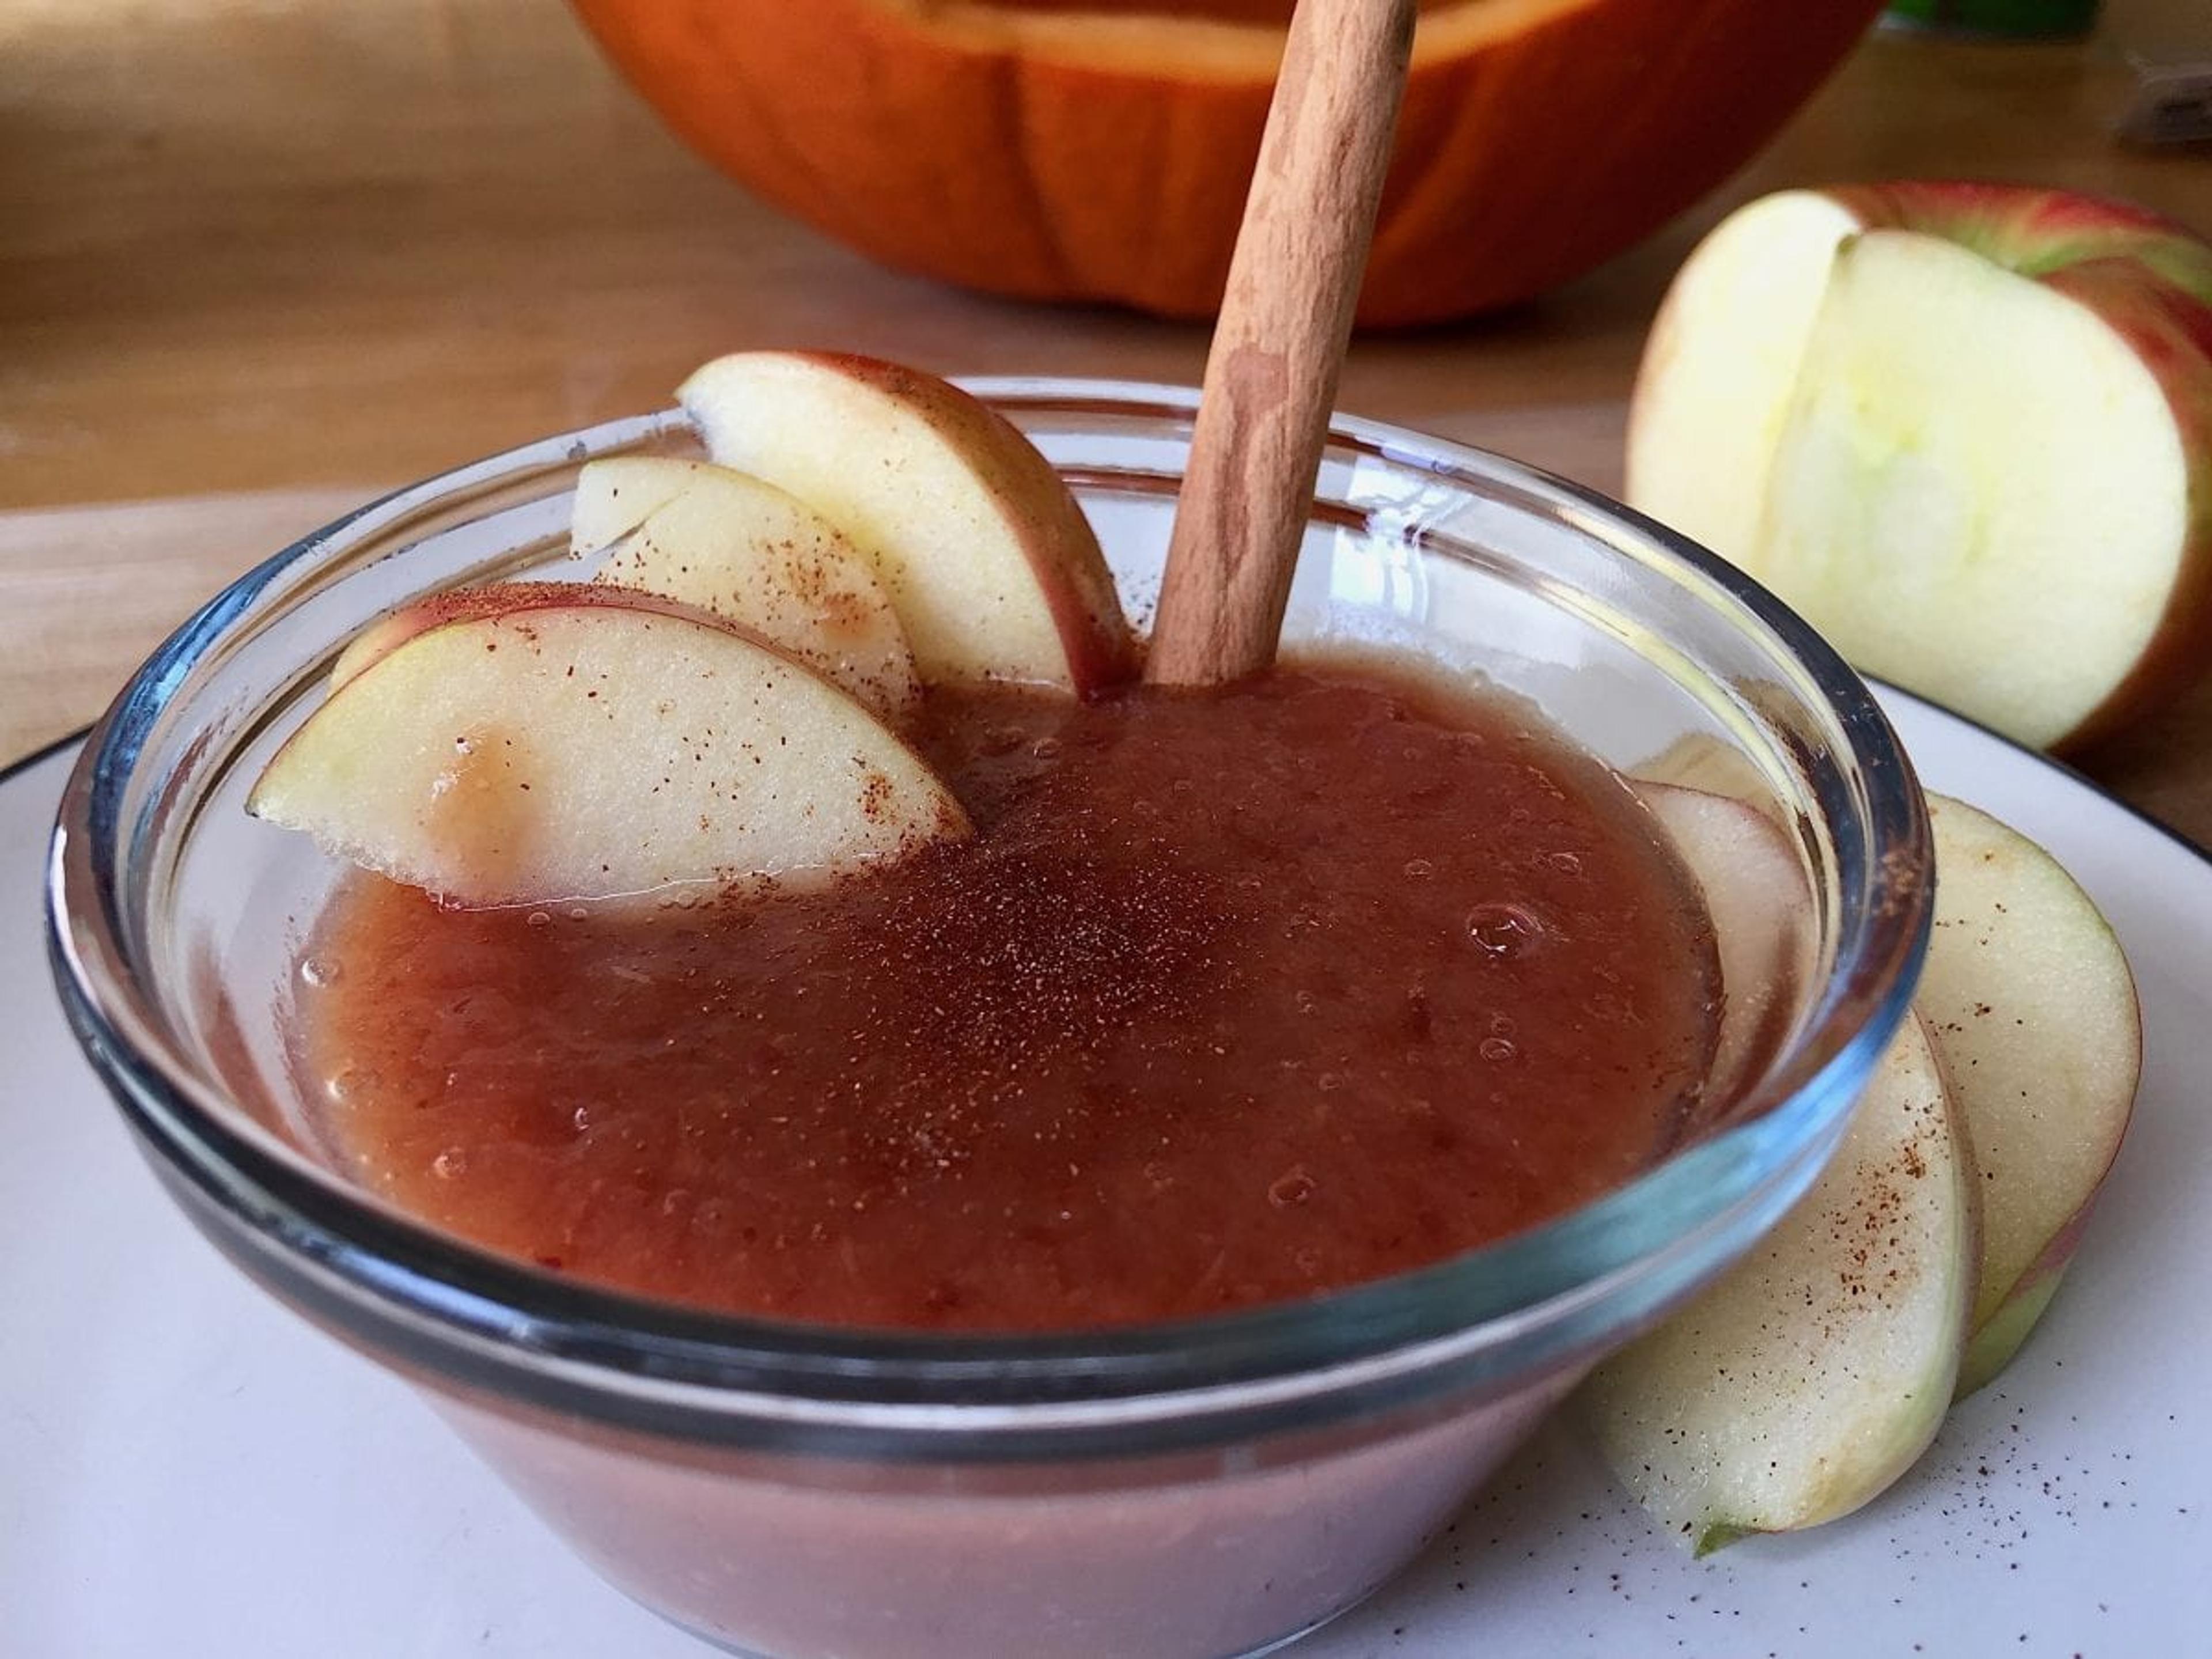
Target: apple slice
1756, 894
580, 743
616, 494
1814, 1373
1698, 760
990, 563
2028, 997
761, 557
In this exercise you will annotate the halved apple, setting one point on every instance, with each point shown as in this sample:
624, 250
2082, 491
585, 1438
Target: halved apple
1966, 430
758, 556
993, 568
554, 742
2031, 1004
1811, 1375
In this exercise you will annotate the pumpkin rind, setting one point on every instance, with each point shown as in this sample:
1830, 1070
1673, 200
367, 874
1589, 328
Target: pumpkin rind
1050, 156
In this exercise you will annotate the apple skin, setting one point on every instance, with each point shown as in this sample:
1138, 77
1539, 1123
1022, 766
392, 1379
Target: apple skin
397, 625
2032, 231
2172, 334
880, 450
2145, 277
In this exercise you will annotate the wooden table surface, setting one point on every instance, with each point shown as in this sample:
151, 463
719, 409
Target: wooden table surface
258, 259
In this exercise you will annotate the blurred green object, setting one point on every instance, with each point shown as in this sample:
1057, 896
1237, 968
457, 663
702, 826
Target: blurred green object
2017, 19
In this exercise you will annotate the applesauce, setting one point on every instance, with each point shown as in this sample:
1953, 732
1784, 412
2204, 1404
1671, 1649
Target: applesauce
1234, 997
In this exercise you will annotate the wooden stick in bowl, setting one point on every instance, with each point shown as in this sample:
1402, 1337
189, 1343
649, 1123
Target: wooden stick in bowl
1270, 373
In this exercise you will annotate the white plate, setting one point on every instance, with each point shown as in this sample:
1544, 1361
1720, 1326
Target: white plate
187, 1469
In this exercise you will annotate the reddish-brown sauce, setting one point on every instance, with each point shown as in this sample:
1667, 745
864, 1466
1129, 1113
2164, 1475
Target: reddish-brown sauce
1233, 998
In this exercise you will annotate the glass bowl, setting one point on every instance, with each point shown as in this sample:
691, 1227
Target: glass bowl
1204, 1488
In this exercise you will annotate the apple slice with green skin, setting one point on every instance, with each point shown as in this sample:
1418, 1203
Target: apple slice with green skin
1966, 430
617, 494
1755, 893
763, 558
555, 742
2028, 997
1811, 1375
993, 568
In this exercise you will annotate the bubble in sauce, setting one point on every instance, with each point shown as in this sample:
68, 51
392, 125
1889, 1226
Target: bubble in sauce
450, 1164
348, 1083
1502, 929
1496, 1048
318, 971
1293, 1186
1418, 868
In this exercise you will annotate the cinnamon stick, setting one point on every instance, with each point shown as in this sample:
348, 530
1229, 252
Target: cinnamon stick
1270, 373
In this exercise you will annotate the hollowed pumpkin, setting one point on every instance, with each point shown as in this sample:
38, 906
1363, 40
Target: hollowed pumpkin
1099, 150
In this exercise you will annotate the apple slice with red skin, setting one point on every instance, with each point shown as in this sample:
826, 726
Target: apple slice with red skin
1813, 1373
553, 742
994, 570
2028, 995
756, 554
1966, 430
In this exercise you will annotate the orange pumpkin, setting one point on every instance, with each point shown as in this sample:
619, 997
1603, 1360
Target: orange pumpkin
1099, 150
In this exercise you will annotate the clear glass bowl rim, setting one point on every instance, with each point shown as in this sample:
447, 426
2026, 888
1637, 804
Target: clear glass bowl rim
488, 1321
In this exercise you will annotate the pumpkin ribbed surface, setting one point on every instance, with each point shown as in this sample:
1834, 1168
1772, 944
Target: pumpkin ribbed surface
1101, 151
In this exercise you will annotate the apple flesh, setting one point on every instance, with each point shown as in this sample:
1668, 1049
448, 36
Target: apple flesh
993, 568
2033, 1009
617, 494
544, 746
1755, 893
759, 557
1813, 1374
395, 628
1721, 362
1965, 430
